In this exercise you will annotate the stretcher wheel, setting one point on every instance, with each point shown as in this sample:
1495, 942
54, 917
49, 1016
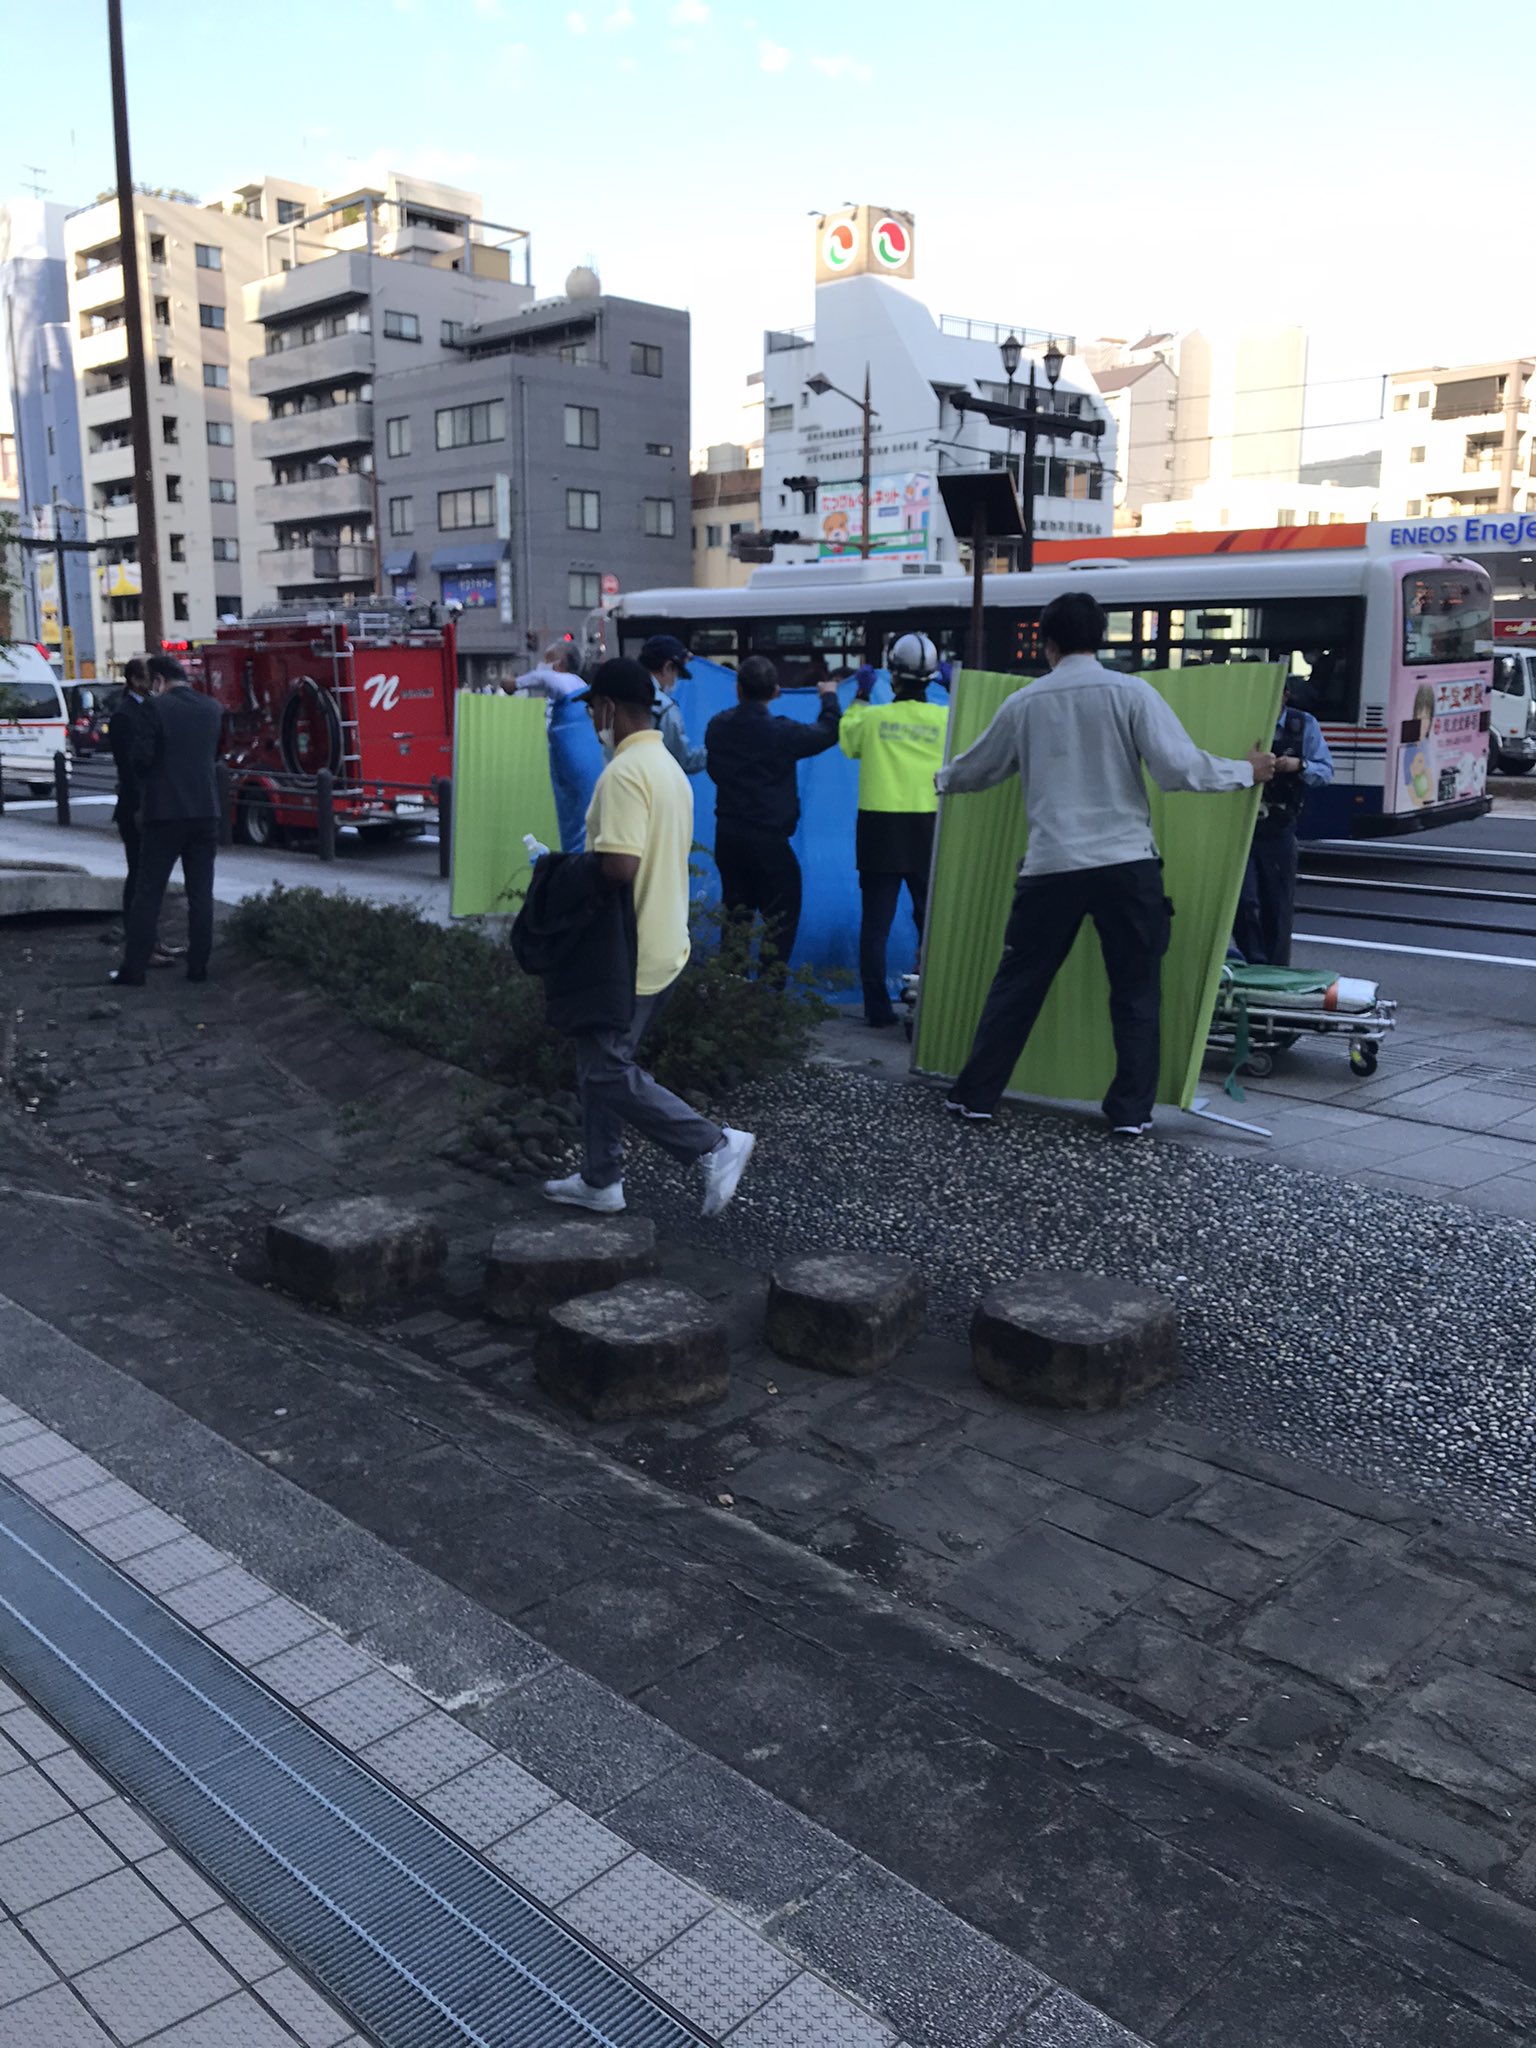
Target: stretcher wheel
1362, 1059
1258, 1066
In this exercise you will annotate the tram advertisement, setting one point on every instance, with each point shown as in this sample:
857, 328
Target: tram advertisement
1440, 741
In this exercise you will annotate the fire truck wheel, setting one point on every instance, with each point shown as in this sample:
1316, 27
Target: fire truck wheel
256, 821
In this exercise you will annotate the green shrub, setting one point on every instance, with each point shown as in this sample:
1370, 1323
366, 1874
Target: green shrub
452, 993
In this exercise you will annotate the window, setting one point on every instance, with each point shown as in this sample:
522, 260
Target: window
780, 418
1415, 454
226, 550
288, 210
586, 590
1285, 517
210, 316
1423, 398
168, 370
1447, 616
644, 359
397, 436
163, 312
1314, 519
660, 520
170, 433
453, 334
658, 447
401, 518
581, 426
465, 508
156, 249
402, 327
215, 376
221, 490
221, 434
714, 536
173, 490
461, 426
576, 352
51, 449
1401, 401
227, 607
583, 511
1415, 508
179, 605
208, 257
178, 543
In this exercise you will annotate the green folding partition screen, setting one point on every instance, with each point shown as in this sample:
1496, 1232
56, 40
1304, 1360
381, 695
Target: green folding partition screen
1204, 842
501, 789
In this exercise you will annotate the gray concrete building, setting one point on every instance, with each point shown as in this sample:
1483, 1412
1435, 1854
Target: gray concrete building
535, 467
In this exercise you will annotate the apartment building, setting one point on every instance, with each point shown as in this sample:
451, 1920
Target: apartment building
194, 263
1459, 441
539, 465
364, 286
727, 507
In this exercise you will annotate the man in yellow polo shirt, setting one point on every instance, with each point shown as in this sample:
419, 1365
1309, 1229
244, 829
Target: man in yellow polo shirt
640, 830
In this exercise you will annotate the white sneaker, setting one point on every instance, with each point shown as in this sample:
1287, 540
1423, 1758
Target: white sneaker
722, 1169
1127, 1132
576, 1193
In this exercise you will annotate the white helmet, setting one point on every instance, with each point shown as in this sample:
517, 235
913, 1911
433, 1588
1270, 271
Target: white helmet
914, 654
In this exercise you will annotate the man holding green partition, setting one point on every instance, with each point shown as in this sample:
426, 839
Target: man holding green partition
1078, 740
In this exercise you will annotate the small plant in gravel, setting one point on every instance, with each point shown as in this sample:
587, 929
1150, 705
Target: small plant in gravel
457, 995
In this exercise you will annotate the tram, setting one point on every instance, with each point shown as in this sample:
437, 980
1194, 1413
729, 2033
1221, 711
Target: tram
1393, 655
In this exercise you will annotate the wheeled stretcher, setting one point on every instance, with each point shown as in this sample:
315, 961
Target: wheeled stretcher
1263, 1011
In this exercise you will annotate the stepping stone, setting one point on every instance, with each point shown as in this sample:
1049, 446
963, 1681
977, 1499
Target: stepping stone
641, 1349
541, 1260
1074, 1340
848, 1312
348, 1253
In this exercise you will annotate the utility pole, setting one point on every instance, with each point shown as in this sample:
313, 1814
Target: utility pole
869, 510
138, 367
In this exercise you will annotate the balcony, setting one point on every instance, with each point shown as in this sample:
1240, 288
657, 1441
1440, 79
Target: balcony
307, 433
320, 362
320, 497
328, 281
325, 562
100, 351
103, 287
111, 440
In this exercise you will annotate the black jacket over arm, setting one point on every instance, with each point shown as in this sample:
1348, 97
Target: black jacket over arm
176, 753
123, 736
576, 931
752, 757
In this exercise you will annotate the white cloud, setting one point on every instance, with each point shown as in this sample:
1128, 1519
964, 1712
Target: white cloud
628, 64
490, 10
621, 18
843, 67
690, 13
576, 23
772, 56
512, 64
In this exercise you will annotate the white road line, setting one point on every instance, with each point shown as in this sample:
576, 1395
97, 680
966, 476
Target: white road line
1421, 952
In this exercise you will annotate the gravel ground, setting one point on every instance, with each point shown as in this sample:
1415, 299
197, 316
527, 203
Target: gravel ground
1360, 1330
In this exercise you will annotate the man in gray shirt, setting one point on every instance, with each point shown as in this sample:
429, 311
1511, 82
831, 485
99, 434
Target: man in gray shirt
1078, 740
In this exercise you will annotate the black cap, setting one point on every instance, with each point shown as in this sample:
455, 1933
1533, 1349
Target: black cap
623, 681
662, 648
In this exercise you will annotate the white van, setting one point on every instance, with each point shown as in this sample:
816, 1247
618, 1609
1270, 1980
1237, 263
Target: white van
34, 723
1512, 736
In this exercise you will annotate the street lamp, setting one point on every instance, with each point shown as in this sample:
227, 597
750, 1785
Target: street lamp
1011, 350
820, 386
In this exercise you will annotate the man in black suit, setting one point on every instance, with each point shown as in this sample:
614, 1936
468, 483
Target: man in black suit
175, 754
120, 737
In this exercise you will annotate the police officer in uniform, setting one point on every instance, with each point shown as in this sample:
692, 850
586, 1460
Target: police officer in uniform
1266, 909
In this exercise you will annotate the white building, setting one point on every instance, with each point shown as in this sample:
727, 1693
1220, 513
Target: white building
1459, 441
867, 319
194, 262
1221, 507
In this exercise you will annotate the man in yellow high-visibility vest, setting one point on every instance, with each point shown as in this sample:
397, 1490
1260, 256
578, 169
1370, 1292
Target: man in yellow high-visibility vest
899, 748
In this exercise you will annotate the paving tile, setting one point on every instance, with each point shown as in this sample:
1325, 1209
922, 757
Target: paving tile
54, 2018
429, 1752
1062, 2021
31, 1733
240, 2022
126, 1829
558, 1853
173, 1564
144, 1529
152, 1986
85, 1511
173, 1876
635, 1909
718, 1973
22, 1969
366, 1709
317, 2023
237, 1941
1352, 1618
313, 1669
489, 1800
9, 1698
264, 1631
807, 2011
32, 1453
1048, 1588
51, 1483
99, 1921
217, 1597
81, 1786
14, 1425
53, 1860
28, 1801
11, 1758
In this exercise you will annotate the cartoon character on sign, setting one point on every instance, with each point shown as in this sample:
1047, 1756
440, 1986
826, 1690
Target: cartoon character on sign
914, 505
834, 531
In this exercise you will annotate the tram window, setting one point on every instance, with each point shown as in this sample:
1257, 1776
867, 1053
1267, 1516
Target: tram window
1122, 642
714, 643
1447, 616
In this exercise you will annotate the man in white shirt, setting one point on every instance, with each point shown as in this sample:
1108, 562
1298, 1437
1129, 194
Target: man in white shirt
1078, 740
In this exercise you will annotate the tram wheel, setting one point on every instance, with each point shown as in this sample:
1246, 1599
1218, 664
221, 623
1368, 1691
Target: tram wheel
1362, 1060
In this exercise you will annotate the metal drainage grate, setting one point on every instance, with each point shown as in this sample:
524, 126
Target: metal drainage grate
424, 1945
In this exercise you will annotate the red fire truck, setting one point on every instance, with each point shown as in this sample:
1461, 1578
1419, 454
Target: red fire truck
363, 691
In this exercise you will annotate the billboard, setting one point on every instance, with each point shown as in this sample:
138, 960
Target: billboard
863, 241
901, 517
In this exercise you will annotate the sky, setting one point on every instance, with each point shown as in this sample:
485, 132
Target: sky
1359, 167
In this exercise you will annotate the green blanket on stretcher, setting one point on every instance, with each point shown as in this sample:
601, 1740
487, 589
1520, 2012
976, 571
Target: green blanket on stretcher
1269, 986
